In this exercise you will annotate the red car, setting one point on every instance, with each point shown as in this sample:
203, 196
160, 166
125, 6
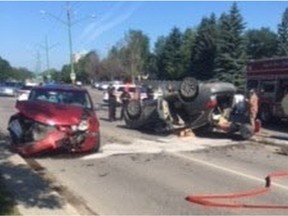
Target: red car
55, 117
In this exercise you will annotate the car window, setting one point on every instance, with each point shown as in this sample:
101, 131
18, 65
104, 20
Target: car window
74, 98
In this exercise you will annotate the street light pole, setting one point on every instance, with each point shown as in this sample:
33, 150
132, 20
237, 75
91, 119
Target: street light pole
69, 24
72, 73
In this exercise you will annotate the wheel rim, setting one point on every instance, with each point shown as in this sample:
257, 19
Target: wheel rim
134, 109
189, 87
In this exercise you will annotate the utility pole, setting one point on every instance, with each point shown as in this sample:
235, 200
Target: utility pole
72, 73
69, 24
38, 62
47, 48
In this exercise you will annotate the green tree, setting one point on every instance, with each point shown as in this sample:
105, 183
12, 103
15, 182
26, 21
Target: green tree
283, 35
172, 56
205, 49
21, 73
187, 49
261, 43
65, 73
231, 55
137, 53
158, 53
88, 67
5, 69
114, 64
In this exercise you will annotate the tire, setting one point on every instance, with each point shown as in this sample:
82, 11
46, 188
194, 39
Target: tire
246, 131
134, 109
188, 88
97, 147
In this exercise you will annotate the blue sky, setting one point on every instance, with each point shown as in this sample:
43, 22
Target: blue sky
24, 27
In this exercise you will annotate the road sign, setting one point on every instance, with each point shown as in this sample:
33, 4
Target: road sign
72, 76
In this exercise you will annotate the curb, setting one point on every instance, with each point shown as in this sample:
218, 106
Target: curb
66, 208
270, 141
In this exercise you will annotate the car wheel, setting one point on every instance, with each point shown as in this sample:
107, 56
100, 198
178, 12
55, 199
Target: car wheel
97, 147
246, 131
188, 88
134, 109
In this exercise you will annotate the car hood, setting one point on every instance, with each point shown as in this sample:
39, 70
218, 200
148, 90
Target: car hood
50, 113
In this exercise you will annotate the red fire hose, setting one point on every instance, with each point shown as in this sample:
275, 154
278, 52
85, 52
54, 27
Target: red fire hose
208, 200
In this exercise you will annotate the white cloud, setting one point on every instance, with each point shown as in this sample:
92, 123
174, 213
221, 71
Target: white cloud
107, 22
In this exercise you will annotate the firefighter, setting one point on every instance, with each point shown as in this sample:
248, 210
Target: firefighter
125, 98
112, 104
253, 101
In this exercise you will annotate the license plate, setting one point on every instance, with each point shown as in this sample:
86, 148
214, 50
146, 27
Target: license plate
16, 127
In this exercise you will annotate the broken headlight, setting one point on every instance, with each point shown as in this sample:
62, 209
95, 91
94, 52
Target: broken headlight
83, 125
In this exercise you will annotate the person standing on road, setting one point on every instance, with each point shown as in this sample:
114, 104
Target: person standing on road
253, 101
112, 104
125, 98
149, 93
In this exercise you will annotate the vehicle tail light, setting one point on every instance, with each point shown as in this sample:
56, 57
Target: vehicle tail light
211, 103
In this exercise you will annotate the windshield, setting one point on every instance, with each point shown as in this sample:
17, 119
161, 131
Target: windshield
74, 98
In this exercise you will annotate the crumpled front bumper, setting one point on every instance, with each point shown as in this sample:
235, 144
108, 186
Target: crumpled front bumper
51, 142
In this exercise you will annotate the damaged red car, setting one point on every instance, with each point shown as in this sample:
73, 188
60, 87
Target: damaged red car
55, 117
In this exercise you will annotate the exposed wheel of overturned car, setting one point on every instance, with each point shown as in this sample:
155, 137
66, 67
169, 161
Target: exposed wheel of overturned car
188, 88
134, 109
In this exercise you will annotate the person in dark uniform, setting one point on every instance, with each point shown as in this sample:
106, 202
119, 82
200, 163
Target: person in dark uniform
125, 98
149, 93
112, 103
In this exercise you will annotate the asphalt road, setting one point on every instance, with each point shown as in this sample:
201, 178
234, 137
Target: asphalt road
137, 173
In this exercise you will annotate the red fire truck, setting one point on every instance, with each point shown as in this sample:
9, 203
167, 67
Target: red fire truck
269, 77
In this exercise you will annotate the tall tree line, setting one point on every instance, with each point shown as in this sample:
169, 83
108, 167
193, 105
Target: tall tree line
8, 72
218, 48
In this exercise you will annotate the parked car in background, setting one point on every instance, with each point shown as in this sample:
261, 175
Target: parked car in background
23, 92
9, 88
104, 86
96, 85
55, 117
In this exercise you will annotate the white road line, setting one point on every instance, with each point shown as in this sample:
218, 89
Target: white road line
172, 144
262, 180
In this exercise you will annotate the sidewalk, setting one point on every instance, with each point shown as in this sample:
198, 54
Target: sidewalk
32, 194
271, 138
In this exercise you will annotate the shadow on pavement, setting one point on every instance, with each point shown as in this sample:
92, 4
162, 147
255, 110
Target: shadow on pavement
26, 186
279, 126
218, 135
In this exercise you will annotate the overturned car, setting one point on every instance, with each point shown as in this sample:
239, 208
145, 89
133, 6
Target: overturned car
55, 117
196, 104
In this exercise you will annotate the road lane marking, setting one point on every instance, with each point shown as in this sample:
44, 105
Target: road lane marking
172, 144
262, 180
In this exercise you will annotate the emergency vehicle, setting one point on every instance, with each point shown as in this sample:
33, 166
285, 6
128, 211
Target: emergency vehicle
269, 77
